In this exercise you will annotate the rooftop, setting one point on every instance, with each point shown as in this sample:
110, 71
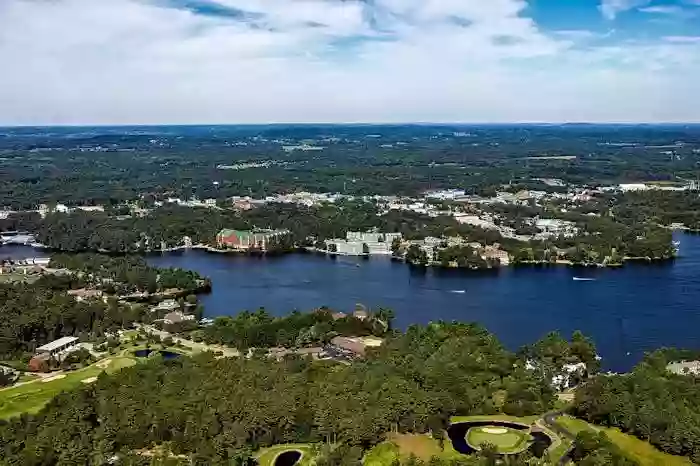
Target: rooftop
57, 344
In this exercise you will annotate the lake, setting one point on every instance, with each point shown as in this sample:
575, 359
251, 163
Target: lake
626, 311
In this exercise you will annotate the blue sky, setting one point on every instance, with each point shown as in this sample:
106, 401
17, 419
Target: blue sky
258, 61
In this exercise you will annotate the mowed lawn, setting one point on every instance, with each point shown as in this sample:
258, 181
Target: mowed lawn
644, 452
32, 396
266, 456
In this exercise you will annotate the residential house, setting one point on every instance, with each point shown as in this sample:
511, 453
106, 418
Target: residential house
177, 317
494, 252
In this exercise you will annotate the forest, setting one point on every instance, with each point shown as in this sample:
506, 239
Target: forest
111, 165
650, 403
34, 314
261, 330
124, 274
219, 409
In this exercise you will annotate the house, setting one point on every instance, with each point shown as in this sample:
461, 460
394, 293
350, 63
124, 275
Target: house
568, 376
242, 204
40, 363
82, 294
684, 367
360, 314
59, 346
245, 239
167, 305
177, 317
350, 347
495, 253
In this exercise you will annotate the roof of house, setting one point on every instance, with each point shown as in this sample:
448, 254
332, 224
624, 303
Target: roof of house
57, 344
174, 317
349, 344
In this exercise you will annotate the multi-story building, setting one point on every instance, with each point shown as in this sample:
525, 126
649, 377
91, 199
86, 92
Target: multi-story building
245, 239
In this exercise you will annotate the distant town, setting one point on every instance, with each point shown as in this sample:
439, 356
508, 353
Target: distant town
522, 216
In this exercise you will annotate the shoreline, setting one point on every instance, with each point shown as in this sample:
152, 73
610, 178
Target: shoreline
364, 257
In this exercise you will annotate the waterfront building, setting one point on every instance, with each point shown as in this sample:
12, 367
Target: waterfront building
177, 317
246, 240
684, 367
494, 252
167, 305
358, 243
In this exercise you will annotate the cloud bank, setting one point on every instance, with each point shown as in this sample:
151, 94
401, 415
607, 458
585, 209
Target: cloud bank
252, 61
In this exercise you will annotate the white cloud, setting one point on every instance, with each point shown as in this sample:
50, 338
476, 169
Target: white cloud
663, 10
133, 61
611, 8
683, 39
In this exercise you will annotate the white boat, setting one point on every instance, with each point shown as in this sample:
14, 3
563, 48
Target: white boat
458, 291
583, 279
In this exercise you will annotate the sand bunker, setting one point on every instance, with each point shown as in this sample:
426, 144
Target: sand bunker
494, 430
55, 377
89, 380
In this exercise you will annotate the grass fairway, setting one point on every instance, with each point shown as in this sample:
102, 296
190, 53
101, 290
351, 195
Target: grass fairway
266, 456
504, 439
643, 452
32, 396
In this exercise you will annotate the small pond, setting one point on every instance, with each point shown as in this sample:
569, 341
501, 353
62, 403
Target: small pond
287, 458
458, 433
167, 355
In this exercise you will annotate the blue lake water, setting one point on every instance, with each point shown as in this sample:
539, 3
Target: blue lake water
626, 311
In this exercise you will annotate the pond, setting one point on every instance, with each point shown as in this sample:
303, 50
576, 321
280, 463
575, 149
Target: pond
458, 436
167, 355
288, 458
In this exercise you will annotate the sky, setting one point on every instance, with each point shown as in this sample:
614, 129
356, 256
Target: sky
71, 62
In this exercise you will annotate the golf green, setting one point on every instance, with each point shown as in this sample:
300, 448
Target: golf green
505, 440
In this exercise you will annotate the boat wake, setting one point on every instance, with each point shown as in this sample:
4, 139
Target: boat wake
458, 291
583, 279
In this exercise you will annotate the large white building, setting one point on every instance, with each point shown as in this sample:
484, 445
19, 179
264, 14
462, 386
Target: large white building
58, 346
355, 241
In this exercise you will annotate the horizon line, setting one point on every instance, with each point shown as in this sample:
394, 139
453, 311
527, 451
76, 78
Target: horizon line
409, 123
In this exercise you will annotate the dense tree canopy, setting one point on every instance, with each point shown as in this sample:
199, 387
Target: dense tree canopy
34, 314
215, 409
128, 273
650, 403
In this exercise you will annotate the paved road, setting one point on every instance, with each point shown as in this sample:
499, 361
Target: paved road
550, 420
194, 346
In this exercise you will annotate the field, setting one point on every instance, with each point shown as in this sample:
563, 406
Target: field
32, 396
504, 439
383, 454
402, 446
266, 456
643, 452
